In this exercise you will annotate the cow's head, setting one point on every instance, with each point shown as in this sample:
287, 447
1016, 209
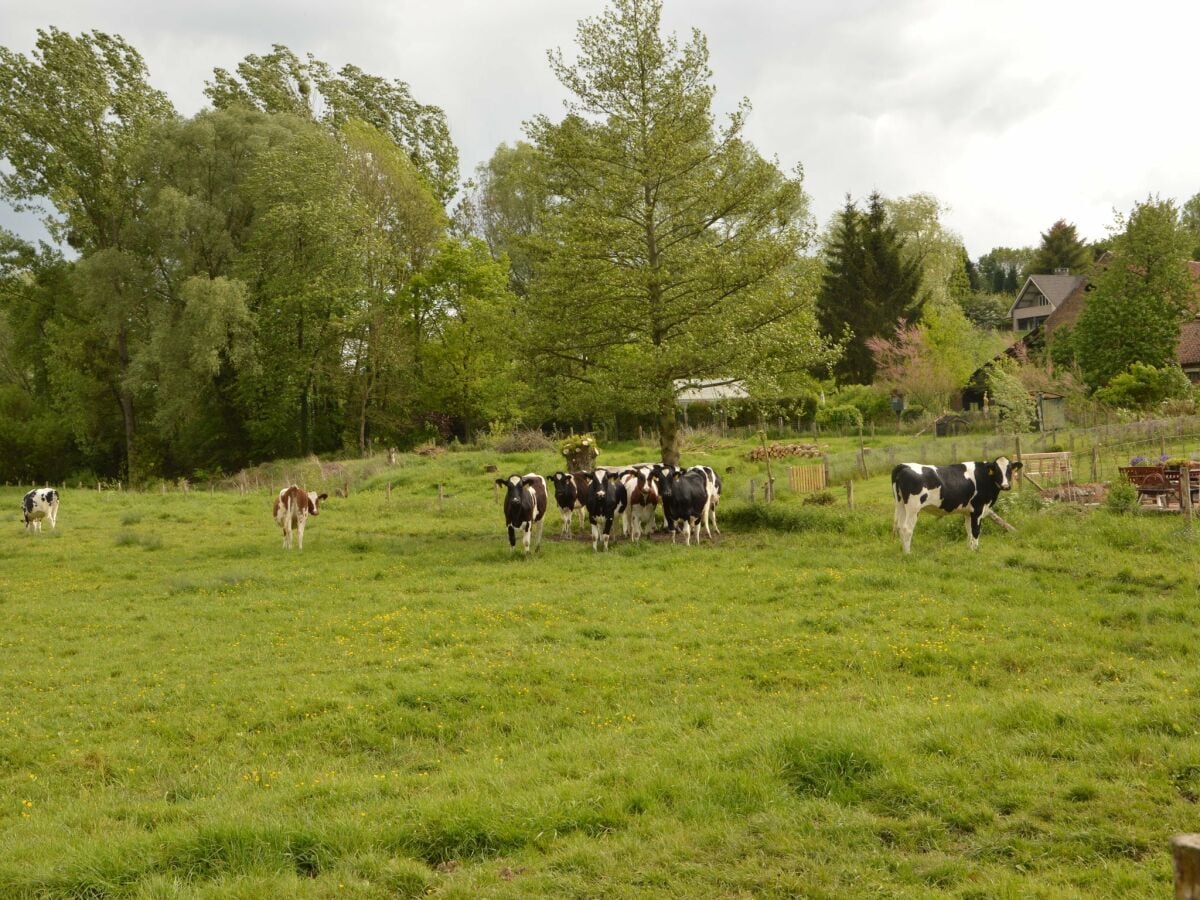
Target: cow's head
564, 488
665, 477
314, 502
1001, 471
514, 491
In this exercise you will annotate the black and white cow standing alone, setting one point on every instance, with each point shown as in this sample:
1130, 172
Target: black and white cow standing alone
685, 499
970, 488
571, 490
607, 501
524, 508
39, 504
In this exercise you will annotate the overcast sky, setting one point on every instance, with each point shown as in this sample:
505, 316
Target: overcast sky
1013, 113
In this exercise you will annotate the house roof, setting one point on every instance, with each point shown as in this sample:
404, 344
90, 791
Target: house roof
1055, 288
1189, 343
709, 392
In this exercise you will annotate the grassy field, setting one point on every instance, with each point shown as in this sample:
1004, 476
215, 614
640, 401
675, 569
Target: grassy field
406, 709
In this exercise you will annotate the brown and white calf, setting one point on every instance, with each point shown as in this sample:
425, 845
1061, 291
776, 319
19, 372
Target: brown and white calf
524, 508
292, 508
643, 500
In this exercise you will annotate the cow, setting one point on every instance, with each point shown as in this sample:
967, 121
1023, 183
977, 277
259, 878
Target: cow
970, 488
642, 494
607, 501
571, 491
39, 504
685, 499
524, 508
713, 480
292, 508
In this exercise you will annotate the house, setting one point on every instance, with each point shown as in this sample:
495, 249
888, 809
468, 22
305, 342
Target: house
1042, 295
1189, 349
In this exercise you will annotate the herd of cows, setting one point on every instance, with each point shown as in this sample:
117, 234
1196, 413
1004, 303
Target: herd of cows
689, 498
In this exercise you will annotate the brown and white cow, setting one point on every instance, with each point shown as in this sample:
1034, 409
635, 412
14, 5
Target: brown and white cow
292, 508
643, 500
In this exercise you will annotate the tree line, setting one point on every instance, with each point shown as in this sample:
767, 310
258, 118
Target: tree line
298, 268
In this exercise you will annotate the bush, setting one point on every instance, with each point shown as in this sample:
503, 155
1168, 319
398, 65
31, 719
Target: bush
840, 418
1143, 387
1122, 497
872, 403
523, 440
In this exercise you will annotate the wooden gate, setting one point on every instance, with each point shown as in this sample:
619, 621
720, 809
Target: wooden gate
806, 479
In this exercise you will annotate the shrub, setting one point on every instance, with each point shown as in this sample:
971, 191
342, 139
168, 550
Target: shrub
523, 440
1144, 387
1122, 497
842, 418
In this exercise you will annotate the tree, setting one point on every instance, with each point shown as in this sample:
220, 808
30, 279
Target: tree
1000, 268
1061, 248
1190, 219
671, 249
281, 82
1134, 313
868, 288
75, 117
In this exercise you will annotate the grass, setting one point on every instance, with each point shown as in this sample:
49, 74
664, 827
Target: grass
406, 708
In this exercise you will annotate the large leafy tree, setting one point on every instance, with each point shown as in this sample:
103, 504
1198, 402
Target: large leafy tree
76, 115
1061, 248
282, 82
1001, 268
870, 285
1134, 313
670, 251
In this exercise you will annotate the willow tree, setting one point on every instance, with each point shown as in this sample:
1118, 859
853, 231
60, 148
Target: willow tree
671, 251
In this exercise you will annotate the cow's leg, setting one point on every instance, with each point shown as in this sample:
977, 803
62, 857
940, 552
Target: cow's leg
704, 513
537, 540
567, 515
287, 533
512, 538
595, 533
526, 534
907, 525
608, 520
300, 532
898, 516
713, 512
973, 521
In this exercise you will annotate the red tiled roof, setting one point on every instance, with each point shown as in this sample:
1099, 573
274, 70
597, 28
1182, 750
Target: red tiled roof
1189, 343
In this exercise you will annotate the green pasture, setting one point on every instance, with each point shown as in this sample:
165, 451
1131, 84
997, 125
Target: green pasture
408, 709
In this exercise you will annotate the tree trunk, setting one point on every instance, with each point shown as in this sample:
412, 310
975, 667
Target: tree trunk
668, 432
126, 397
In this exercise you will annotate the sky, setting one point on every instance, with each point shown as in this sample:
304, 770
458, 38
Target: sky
1013, 113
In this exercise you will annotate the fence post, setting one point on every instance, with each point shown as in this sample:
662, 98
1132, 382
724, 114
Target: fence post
1095, 464
850, 494
825, 466
441, 496
1020, 480
1185, 850
751, 490
1185, 491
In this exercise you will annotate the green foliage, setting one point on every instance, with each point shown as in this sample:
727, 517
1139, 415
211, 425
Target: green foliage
874, 404
1001, 269
988, 310
869, 286
1061, 248
1143, 387
1122, 497
1016, 408
840, 418
670, 250
1133, 315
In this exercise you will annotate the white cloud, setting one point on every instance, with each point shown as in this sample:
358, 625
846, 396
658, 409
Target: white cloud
1012, 113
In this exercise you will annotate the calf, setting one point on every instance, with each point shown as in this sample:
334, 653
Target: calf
524, 508
713, 480
38, 504
571, 491
292, 508
685, 499
642, 494
607, 501
970, 488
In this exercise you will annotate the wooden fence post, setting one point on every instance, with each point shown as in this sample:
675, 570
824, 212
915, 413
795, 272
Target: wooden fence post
1185, 491
825, 466
850, 494
1185, 850
1020, 480
1095, 463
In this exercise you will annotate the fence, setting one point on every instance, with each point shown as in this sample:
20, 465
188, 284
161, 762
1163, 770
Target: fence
1085, 454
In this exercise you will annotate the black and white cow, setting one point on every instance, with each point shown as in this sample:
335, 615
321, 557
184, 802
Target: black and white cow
970, 488
713, 481
685, 499
524, 508
571, 491
39, 504
607, 501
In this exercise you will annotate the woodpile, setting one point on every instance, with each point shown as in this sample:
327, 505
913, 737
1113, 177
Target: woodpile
783, 451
